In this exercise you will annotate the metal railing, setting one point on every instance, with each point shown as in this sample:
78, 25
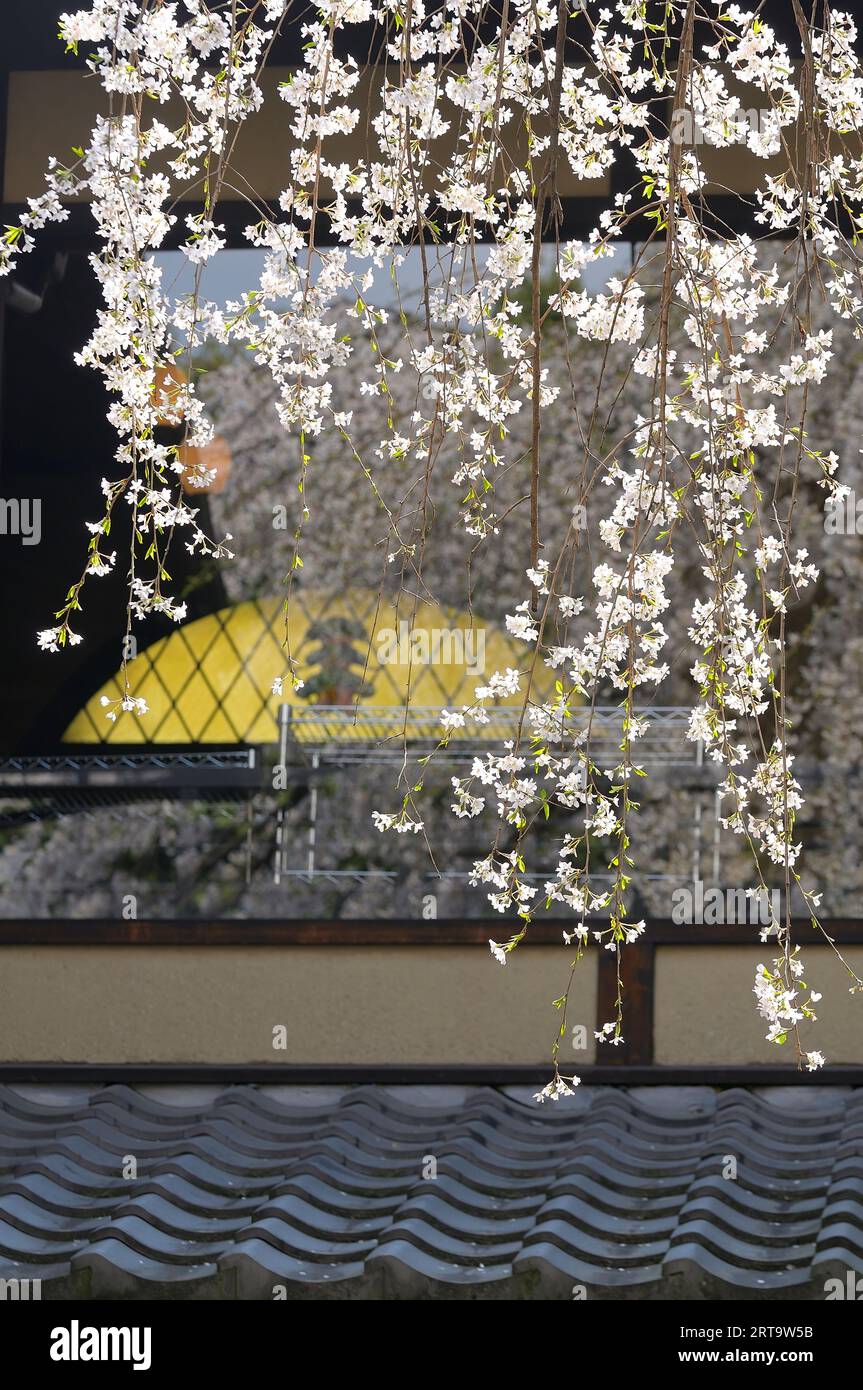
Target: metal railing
347, 734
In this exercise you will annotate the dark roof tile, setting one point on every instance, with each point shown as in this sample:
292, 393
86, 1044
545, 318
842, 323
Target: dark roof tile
329, 1191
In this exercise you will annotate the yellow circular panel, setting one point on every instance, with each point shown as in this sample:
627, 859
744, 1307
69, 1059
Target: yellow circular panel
211, 680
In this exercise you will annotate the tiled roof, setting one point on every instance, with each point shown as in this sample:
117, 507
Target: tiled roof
275, 1191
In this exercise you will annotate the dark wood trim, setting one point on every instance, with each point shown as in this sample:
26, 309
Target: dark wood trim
637, 971
665, 933
579, 216
348, 1074
403, 932
263, 933
78, 232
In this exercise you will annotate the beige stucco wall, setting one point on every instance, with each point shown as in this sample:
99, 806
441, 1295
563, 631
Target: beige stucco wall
705, 1008
50, 112
339, 1004
385, 1005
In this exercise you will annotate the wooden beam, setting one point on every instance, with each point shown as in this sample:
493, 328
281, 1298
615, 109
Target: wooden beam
637, 971
240, 1074
401, 932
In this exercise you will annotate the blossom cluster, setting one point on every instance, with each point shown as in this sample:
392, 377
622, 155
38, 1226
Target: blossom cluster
476, 122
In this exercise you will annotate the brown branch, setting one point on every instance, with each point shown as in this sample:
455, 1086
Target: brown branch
546, 191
